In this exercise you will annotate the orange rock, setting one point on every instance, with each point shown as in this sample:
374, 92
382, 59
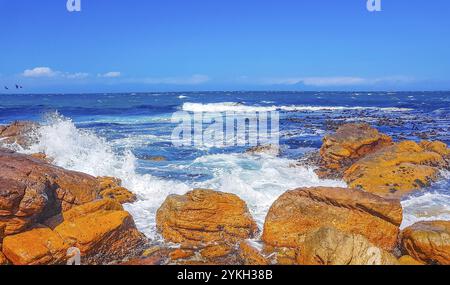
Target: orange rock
408, 260
3, 260
35, 247
347, 145
110, 187
396, 170
32, 190
180, 254
204, 216
436, 146
428, 242
88, 208
250, 255
103, 236
299, 212
215, 251
328, 246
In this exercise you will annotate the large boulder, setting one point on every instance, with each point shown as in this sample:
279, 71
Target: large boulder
396, 170
328, 246
298, 212
204, 216
428, 242
101, 230
32, 190
17, 133
348, 144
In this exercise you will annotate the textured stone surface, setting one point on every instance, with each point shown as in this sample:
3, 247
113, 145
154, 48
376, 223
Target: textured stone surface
328, 246
299, 212
348, 144
204, 216
428, 242
396, 170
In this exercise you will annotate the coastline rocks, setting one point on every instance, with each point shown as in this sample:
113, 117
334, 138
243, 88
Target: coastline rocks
396, 170
428, 242
204, 216
32, 190
301, 211
408, 260
348, 144
35, 247
110, 188
328, 246
101, 230
17, 133
103, 236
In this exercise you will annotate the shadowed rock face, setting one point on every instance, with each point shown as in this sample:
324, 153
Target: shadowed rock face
348, 144
428, 242
397, 170
204, 216
298, 212
328, 246
32, 190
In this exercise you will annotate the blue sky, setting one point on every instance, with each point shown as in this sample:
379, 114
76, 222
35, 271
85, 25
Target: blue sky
173, 45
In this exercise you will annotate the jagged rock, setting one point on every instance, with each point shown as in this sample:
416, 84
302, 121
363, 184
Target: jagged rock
298, 212
3, 260
32, 190
17, 132
204, 216
110, 187
428, 242
396, 170
348, 144
328, 246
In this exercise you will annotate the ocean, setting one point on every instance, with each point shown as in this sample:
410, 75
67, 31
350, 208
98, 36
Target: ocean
118, 134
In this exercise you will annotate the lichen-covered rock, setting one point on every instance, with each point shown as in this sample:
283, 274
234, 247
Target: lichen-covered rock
38, 246
204, 216
110, 187
348, 144
32, 190
428, 242
328, 246
396, 170
298, 212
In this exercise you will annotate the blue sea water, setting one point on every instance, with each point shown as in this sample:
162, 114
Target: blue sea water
115, 134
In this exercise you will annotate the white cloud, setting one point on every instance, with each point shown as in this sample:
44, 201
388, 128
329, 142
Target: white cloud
39, 72
111, 74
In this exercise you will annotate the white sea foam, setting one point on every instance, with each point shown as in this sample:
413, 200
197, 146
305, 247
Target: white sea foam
83, 151
257, 179
239, 107
427, 207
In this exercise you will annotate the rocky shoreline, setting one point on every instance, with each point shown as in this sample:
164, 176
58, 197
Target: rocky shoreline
45, 210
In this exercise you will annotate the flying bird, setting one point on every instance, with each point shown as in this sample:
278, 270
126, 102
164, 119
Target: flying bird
6, 87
